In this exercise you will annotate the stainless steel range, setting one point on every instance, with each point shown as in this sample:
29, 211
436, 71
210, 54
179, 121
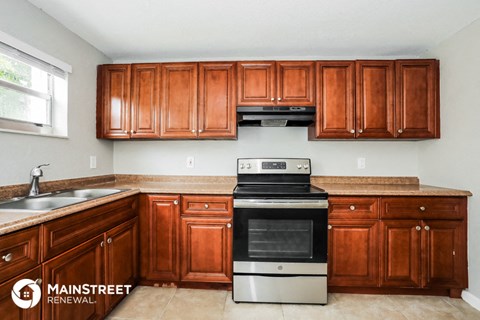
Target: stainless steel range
280, 233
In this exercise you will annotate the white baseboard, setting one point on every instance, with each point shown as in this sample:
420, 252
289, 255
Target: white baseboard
472, 300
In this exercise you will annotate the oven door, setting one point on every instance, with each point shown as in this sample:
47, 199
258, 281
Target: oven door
280, 230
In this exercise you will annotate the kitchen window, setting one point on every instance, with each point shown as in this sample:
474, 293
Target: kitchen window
33, 92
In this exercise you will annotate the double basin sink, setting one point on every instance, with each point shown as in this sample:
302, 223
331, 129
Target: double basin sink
54, 200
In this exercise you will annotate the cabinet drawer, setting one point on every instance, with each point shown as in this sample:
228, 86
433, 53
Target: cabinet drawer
207, 205
352, 208
66, 233
18, 252
423, 208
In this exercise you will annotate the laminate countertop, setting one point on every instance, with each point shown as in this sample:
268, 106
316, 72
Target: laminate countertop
135, 184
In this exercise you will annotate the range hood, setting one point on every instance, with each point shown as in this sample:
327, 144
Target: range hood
275, 116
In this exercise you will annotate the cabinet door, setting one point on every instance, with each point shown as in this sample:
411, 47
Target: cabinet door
159, 229
256, 83
113, 101
335, 100
179, 100
217, 115
400, 253
8, 309
145, 108
353, 253
375, 99
417, 105
82, 265
121, 263
445, 257
296, 83
206, 249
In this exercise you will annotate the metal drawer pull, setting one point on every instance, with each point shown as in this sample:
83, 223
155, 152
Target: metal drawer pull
109, 240
352, 131
102, 244
400, 131
206, 205
427, 228
352, 208
422, 208
175, 202
38, 281
418, 228
329, 226
7, 257
229, 225
273, 99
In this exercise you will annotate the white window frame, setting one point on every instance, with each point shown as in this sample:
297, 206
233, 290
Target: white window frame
58, 71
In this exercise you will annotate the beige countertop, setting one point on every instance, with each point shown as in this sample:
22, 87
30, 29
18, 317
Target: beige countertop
134, 184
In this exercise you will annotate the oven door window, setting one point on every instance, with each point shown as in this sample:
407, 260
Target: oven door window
288, 235
280, 238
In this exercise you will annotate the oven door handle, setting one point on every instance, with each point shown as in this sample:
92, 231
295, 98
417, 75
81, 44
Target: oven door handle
280, 203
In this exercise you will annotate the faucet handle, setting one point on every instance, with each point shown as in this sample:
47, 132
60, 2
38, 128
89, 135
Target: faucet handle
37, 172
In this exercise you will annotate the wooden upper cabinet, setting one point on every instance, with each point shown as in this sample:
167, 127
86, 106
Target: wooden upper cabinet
375, 99
145, 101
417, 99
113, 101
296, 83
217, 115
335, 91
256, 83
270, 83
179, 100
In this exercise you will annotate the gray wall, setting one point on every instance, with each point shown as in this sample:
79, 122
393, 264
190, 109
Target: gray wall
69, 158
454, 159
383, 158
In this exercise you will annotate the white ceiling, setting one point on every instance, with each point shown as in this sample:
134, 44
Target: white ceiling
164, 30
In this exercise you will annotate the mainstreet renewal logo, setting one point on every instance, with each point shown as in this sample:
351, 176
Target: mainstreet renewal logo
24, 298
66, 294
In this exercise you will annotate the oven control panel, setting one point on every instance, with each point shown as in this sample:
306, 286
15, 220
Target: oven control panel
273, 166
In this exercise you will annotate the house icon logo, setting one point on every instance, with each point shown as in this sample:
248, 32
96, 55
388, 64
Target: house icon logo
26, 293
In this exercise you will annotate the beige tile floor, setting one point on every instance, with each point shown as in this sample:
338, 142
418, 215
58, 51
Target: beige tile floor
150, 303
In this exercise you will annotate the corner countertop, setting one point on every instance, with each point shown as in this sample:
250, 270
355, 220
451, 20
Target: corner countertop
135, 184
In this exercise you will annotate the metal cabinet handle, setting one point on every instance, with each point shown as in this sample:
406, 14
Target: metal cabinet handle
352, 207
422, 208
38, 281
206, 205
200, 131
400, 131
418, 228
229, 225
273, 99
360, 131
427, 228
175, 202
352, 131
329, 226
8, 257
109, 240
193, 131
279, 99
102, 244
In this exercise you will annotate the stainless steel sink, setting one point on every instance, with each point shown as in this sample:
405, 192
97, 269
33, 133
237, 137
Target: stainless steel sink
45, 203
86, 193
59, 199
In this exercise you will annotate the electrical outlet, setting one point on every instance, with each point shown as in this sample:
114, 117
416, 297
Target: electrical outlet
93, 162
361, 163
190, 162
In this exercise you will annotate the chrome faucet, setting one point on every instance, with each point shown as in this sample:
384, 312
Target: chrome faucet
35, 175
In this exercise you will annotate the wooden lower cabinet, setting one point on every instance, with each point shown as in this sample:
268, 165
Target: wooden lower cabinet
159, 223
82, 265
206, 249
400, 253
353, 253
121, 259
423, 254
8, 309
